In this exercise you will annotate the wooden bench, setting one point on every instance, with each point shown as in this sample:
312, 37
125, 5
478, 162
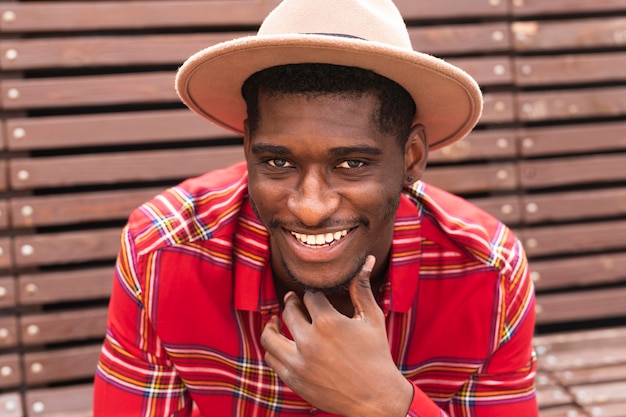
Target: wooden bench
583, 371
91, 127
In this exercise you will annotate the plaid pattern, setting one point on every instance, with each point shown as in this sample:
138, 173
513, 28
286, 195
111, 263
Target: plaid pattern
193, 290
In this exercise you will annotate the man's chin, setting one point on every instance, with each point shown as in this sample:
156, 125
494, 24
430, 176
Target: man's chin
340, 284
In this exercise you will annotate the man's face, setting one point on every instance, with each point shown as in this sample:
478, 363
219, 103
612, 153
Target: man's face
326, 184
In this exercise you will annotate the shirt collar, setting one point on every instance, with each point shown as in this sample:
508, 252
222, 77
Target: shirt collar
253, 285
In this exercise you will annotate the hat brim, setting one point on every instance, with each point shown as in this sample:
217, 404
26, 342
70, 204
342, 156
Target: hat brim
448, 100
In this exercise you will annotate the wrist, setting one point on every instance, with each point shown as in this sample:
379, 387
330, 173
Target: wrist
392, 400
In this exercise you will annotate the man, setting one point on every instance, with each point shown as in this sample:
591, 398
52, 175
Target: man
320, 276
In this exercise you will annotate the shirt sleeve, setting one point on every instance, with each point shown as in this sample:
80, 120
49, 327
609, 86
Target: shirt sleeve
504, 385
134, 376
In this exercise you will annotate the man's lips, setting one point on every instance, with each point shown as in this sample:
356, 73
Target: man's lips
321, 239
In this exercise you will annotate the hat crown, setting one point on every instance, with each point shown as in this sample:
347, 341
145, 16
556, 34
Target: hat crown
372, 20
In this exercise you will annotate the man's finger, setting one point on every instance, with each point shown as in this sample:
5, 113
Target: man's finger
295, 315
274, 341
361, 294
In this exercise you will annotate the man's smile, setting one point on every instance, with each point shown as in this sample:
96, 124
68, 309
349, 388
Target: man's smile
320, 240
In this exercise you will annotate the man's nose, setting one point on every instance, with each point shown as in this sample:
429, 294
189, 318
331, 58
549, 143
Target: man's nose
314, 200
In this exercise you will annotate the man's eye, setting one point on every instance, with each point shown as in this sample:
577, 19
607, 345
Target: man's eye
278, 163
350, 164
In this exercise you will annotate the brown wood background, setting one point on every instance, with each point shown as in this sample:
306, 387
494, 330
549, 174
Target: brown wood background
90, 127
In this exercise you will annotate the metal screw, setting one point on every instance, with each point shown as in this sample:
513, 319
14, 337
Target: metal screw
499, 69
528, 143
506, 209
31, 289
38, 407
36, 368
9, 16
19, 133
502, 175
23, 175
13, 93
6, 371
27, 250
497, 36
32, 330
10, 54
27, 211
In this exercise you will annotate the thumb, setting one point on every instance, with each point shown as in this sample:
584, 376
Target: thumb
361, 294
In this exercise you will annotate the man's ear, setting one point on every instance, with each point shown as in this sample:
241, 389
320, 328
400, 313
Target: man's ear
415, 154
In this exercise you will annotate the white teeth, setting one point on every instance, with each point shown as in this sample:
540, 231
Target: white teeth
321, 239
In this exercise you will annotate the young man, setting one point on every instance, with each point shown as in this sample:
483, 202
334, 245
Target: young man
320, 276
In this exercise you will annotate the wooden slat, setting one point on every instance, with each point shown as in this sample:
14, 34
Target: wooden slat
600, 393
4, 215
66, 286
10, 372
64, 326
577, 306
11, 404
6, 261
3, 178
487, 71
466, 39
8, 331
607, 410
7, 292
99, 15
553, 396
577, 238
505, 208
452, 8
474, 178
121, 129
542, 7
568, 34
67, 247
592, 375
569, 344
572, 139
60, 209
111, 168
574, 205
571, 104
61, 365
105, 51
572, 170
37, 93
570, 69
564, 411
579, 271
498, 108
70, 401
487, 144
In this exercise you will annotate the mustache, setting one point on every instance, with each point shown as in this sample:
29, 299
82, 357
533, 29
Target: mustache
339, 224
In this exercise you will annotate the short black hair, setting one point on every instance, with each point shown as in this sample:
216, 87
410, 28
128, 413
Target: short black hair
396, 109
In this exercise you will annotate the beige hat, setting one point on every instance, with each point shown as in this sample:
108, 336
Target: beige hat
369, 34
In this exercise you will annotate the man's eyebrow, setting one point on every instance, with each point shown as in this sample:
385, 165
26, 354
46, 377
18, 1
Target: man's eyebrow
267, 148
362, 149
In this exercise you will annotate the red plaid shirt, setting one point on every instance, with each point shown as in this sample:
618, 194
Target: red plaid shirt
193, 290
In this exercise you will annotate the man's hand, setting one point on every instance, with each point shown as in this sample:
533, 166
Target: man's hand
339, 364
